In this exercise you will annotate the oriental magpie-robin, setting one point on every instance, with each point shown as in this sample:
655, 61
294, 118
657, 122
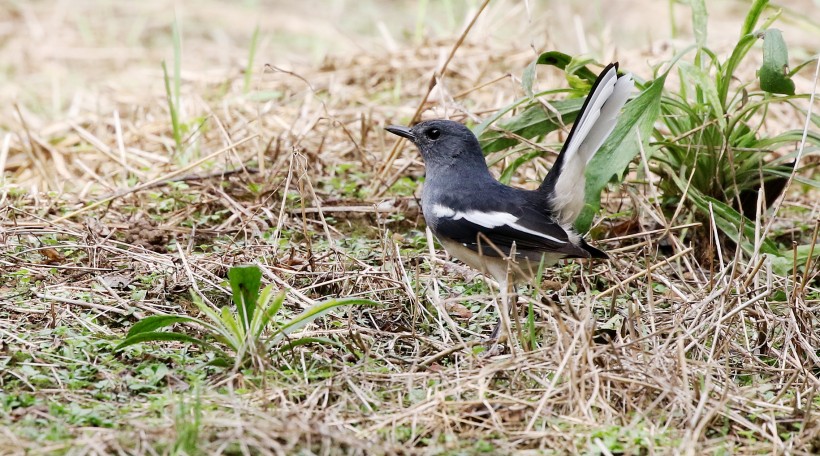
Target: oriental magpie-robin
503, 231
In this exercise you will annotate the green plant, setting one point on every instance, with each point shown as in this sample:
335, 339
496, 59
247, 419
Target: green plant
244, 332
712, 148
246, 82
172, 94
188, 422
183, 131
709, 147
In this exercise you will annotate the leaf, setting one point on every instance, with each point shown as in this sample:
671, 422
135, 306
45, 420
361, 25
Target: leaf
245, 282
753, 16
235, 331
510, 169
699, 19
797, 177
268, 310
575, 70
219, 362
528, 78
726, 75
155, 322
562, 61
774, 73
728, 220
534, 121
165, 336
315, 312
219, 331
620, 148
803, 252
706, 85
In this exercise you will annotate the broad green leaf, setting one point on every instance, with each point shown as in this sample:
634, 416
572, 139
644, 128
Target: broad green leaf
744, 44
534, 121
803, 253
166, 336
620, 148
774, 73
155, 322
245, 282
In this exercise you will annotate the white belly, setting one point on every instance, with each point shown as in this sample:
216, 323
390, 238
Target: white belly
522, 270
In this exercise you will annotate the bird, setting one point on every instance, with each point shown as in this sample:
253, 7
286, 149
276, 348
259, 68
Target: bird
507, 232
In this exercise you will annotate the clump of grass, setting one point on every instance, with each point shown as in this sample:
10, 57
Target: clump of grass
711, 145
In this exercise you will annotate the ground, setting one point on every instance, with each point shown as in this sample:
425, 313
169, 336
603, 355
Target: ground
125, 192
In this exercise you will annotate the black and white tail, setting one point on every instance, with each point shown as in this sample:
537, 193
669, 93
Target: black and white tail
564, 184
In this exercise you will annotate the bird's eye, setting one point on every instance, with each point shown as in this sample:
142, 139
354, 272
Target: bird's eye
433, 134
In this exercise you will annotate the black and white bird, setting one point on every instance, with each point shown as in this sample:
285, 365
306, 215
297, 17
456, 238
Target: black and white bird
503, 231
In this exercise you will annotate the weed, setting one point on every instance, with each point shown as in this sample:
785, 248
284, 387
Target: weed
712, 149
242, 332
188, 421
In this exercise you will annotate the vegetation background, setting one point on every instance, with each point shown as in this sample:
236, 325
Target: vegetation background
130, 187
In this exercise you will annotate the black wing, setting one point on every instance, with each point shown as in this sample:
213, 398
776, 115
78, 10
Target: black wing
492, 227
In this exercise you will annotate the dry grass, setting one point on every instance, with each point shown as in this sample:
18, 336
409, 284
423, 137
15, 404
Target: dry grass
103, 220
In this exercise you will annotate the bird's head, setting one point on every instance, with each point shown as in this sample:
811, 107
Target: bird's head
443, 143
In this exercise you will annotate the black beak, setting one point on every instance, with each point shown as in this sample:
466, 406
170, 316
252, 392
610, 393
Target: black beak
404, 132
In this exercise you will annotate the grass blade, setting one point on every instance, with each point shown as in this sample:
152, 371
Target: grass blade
317, 311
172, 108
154, 322
166, 336
246, 85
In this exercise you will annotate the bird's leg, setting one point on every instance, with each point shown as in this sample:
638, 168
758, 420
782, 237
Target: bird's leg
503, 327
504, 276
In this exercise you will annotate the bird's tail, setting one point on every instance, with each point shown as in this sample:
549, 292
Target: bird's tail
564, 184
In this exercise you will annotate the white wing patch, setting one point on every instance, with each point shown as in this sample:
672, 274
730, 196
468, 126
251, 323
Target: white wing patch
490, 220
